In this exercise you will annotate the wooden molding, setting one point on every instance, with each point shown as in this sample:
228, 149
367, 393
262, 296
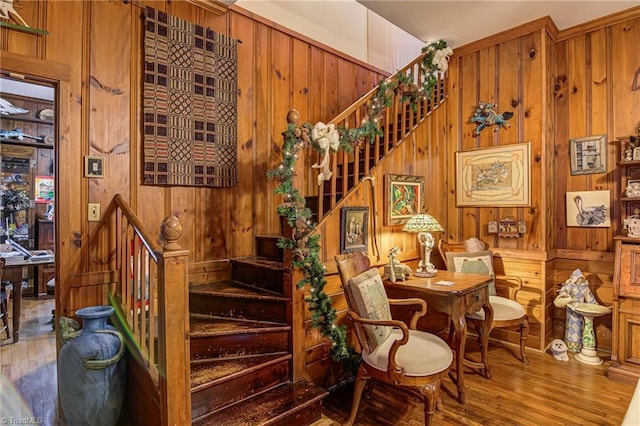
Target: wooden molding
599, 23
601, 256
214, 6
545, 23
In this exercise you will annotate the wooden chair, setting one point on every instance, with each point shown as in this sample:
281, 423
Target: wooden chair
507, 312
391, 352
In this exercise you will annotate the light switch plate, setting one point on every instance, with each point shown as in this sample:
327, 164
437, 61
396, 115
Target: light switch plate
94, 212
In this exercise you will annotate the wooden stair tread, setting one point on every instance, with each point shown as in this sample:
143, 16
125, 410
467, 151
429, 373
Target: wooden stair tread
269, 407
209, 372
206, 325
263, 262
235, 289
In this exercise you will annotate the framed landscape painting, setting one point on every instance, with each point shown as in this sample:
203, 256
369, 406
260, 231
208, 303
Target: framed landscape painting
404, 198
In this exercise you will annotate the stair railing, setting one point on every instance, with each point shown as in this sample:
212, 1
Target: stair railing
398, 121
150, 295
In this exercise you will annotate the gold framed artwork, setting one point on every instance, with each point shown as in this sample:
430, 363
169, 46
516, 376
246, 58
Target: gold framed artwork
354, 226
588, 155
589, 209
496, 176
404, 198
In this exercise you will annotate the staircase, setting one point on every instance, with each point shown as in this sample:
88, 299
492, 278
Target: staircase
241, 348
398, 123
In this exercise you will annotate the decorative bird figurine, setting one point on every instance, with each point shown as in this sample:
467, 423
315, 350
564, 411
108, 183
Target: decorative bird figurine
6, 8
589, 216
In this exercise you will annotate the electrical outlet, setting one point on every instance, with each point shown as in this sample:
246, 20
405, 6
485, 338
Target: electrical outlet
94, 212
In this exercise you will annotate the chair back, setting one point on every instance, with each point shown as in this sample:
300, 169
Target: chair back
352, 265
445, 247
469, 256
365, 296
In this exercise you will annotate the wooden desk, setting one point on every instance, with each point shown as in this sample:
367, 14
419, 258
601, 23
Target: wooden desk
20, 262
468, 294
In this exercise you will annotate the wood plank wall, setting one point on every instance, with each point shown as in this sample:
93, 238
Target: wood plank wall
525, 70
560, 85
102, 42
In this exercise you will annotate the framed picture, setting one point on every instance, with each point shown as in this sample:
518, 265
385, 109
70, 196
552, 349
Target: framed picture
590, 209
497, 176
354, 224
589, 155
43, 189
93, 166
404, 198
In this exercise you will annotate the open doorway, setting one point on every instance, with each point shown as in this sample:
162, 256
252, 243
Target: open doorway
28, 135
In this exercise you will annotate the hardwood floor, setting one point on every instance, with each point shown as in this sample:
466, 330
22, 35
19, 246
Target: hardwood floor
546, 392
28, 385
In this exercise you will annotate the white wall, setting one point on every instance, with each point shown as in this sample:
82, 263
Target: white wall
344, 25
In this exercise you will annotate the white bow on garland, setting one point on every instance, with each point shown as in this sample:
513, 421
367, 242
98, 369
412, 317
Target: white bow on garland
327, 137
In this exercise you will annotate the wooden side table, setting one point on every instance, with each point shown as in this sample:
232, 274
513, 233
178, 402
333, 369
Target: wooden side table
469, 293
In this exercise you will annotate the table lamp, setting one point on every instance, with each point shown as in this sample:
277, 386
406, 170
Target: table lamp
423, 224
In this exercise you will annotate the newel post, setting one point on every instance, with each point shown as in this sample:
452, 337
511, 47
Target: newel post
173, 326
292, 277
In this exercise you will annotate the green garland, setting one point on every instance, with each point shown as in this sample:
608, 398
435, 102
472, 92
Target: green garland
304, 246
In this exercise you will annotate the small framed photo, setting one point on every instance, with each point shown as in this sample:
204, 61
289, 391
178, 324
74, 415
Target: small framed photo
492, 227
636, 153
589, 155
93, 167
354, 226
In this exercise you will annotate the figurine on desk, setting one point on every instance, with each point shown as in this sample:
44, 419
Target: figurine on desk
395, 270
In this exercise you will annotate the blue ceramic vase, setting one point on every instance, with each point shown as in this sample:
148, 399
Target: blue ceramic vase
92, 370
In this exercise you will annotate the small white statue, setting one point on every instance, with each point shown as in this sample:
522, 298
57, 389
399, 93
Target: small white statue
559, 350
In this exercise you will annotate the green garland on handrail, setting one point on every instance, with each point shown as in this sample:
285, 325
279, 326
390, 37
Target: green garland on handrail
304, 246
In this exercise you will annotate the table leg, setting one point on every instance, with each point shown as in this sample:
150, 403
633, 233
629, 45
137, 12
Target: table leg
460, 327
484, 342
17, 308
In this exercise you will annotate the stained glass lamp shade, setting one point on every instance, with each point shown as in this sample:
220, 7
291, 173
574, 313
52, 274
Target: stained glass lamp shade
423, 224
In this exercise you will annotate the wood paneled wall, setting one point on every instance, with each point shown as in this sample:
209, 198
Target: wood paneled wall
560, 85
102, 43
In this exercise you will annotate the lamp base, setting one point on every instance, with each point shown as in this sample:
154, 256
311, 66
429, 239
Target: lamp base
424, 274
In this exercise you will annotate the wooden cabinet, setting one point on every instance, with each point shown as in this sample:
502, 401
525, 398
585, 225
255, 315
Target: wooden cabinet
629, 166
625, 350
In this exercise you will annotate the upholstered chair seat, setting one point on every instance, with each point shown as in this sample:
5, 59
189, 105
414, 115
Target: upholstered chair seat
503, 309
410, 357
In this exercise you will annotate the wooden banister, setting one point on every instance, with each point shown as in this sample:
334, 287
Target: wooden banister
150, 295
397, 122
